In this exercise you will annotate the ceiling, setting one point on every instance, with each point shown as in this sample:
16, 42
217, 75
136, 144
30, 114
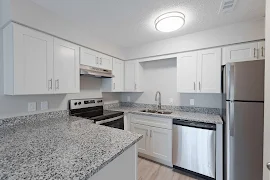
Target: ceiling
130, 23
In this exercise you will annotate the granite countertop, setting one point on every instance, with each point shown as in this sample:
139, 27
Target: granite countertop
62, 148
198, 117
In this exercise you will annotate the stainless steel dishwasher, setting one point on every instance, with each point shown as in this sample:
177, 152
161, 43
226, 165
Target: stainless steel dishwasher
194, 148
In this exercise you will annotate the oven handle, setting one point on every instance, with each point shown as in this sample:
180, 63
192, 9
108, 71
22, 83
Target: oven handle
109, 120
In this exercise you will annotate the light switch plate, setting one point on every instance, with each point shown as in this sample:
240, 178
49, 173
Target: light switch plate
171, 101
44, 105
32, 106
192, 102
128, 99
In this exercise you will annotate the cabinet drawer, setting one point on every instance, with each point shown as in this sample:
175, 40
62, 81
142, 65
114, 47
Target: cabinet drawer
152, 121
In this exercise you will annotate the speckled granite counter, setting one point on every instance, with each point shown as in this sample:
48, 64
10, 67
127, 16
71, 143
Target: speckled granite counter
62, 148
198, 117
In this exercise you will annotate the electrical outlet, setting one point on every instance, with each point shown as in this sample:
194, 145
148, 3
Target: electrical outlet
44, 105
32, 106
192, 102
171, 101
128, 99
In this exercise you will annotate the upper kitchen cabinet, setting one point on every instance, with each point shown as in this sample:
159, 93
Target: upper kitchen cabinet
36, 63
209, 71
66, 67
187, 72
92, 58
28, 61
115, 84
199, 72
133, 79
243, 52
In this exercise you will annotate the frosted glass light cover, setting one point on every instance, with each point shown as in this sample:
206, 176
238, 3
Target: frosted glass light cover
169, 22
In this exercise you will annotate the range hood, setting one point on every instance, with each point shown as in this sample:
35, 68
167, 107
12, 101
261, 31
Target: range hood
96, 72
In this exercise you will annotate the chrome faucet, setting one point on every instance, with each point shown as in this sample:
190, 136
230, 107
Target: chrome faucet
158, 99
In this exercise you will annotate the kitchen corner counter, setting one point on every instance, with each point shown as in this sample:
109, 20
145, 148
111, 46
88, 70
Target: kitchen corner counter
190, 116
62, 148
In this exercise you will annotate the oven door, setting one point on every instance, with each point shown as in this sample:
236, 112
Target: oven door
116, 122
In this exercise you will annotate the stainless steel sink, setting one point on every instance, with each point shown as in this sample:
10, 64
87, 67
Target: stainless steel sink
156, 111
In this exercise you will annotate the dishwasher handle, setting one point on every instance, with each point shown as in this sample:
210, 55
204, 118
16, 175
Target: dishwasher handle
201, 125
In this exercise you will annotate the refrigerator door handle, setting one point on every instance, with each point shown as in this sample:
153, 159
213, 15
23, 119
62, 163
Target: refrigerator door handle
231, 119
230, 82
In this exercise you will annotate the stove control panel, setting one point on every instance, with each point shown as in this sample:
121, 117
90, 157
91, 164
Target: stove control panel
84, 103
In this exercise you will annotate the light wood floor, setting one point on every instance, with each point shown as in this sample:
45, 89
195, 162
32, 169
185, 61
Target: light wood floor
148, 170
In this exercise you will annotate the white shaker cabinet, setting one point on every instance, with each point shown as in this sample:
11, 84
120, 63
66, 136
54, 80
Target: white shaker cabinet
115, 84
28, 61
133, 76
66, 67
105, 62
89, 57
143, 144
209, 71
157, 137
199, 71
161, 139
36, 63
187, 72
92, 58
240, 52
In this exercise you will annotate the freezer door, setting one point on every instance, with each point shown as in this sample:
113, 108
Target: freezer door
244, 140
194, 149
245, 81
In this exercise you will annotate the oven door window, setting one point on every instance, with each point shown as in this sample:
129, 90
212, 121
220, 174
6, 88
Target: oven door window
119, 124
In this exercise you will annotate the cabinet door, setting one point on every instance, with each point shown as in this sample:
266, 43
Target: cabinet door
105, 62
186, 72
261, 50
89, 57
209, 71
161, 144
241, 52
130, 76
143, 144
66, 67
33, 61
118, 72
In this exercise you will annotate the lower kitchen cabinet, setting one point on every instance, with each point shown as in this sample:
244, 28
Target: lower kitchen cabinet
156, 143
143, 145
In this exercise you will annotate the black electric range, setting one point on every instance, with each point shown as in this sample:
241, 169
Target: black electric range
92, 109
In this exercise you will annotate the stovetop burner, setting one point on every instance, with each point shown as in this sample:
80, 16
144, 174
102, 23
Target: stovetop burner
91, 109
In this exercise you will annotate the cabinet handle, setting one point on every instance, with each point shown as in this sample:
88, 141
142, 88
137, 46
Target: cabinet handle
96, 60
262, 52
50, 84
200, 86
147, 133
150, 133
57, 84
113, 85
194, 86
100, 61
254, 52
135, 86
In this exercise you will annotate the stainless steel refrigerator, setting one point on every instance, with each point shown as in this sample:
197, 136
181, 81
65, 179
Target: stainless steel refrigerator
243, 88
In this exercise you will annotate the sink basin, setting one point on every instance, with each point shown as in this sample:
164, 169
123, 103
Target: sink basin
156, 111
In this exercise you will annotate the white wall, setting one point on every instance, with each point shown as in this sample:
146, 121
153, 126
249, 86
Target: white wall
161, 76
235, 33
30, 14
5, 12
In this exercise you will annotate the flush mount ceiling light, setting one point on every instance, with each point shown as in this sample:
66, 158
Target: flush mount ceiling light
169, 22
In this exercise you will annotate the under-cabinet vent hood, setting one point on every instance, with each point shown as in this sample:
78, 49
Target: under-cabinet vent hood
96, 72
